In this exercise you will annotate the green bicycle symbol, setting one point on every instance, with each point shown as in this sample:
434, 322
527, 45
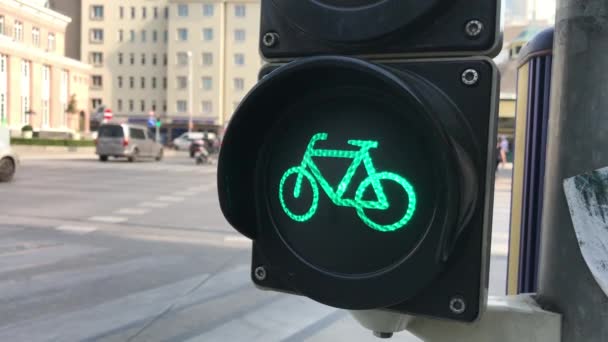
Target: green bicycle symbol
309, 171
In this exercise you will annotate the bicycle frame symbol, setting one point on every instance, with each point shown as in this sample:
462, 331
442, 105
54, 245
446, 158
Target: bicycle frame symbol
308, 170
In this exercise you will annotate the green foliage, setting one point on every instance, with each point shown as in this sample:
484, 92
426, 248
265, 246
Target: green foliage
27, 128
72, 105
53, 142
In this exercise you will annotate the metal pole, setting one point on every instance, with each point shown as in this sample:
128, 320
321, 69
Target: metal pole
577, 143
190, 92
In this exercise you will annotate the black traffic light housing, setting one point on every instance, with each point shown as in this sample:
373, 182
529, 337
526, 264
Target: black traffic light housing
379, 28
432, 127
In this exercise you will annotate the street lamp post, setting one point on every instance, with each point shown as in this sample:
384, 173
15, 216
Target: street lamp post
190, 92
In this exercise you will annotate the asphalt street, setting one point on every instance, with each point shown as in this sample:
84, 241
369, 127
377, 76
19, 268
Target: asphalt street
121, 251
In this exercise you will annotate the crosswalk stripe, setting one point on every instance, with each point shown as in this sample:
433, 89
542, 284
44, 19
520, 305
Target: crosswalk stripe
108, 219
76, 229
132, 211
153, 204
169, 199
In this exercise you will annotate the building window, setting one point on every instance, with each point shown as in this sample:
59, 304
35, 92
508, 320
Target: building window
51, 41
144, 12
96, 58
132, 36
131, 82
142, 83
143, 36
121, 12
182, 10
119, 81
36, 36
208, 10
97, 81
182, 34
155, 12
131, 105
96, 103
165, 106
181, 106
166, 36
132, 12
18, 31
165, 59
164, 83
132, 58
182, 82
154, 36
142, 105
153, 82
207, 83
207, 107
207, 58
97, 12
3, 88
182, 58
120, 58
119, 105
239, 83
2, 28
207, 34
239, 59
121, 35
143, 59
166, 12
153, 105
96, 36
239, 11
154, 59
239, 35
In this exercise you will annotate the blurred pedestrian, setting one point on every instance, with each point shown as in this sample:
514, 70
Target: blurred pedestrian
504, 150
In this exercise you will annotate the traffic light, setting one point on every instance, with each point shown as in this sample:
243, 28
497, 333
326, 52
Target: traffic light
379, 28
366, 184
159, 122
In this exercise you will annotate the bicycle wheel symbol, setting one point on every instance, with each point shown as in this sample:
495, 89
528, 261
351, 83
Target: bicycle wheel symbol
386, 176
297, 191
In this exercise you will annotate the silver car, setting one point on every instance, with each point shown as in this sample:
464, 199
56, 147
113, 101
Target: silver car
8, 163
126, 141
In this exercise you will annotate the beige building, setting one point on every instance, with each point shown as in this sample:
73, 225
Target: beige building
36, 80
173, 57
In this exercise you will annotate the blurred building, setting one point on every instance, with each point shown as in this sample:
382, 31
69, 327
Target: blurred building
142, 52
39, 86
521, 12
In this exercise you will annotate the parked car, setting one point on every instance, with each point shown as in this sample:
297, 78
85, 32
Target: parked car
126, 141
184, 141
8, 163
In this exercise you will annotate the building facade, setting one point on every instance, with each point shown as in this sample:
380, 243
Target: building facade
39, 86
175, 58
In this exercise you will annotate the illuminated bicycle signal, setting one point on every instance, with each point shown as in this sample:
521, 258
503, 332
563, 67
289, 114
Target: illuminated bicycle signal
308, 170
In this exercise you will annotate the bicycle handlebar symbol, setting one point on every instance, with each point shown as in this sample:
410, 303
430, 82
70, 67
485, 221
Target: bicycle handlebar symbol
308, 170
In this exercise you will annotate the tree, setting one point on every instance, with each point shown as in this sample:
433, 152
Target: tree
72, 105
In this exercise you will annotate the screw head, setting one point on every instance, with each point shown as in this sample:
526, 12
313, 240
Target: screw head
473, 28
259, 273
469, 77
270, 39
458, 305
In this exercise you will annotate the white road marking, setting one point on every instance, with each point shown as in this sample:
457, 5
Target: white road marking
236, 239
132, 211
108, 219
186, 193
76, 229
153, 204
170, 199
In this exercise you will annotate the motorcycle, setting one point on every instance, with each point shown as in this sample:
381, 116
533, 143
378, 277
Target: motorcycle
201, 155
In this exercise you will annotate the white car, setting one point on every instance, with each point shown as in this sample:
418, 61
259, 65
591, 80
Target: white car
8, 163
182, 143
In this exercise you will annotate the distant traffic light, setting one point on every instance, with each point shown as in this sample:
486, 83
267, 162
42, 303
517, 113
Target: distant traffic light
367, 185
159, 122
